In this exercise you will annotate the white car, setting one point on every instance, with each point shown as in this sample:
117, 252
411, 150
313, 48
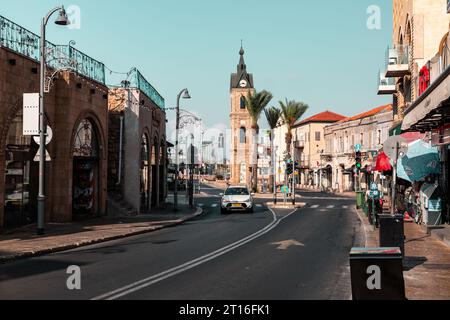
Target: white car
237, 198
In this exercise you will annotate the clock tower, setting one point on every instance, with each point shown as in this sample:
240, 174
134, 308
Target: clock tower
241, 86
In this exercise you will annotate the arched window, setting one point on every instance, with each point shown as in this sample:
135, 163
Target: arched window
243, 136
242, 102
86, 142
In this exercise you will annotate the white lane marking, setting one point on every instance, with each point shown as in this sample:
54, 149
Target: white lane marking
344, 207
315, 206
201, 205
330, 207
259, 205
139, 285
215, 205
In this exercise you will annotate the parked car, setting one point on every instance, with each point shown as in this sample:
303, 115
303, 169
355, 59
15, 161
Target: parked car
237, 199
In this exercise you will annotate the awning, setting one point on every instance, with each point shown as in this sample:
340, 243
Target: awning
429, 111
420, 161
429, 189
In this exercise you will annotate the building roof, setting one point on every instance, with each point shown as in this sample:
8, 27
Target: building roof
368, 114
327, 116
241, 74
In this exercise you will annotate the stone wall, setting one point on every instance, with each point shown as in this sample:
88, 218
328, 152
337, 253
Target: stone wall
72, 98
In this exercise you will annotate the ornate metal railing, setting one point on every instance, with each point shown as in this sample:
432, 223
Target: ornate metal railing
25, 42
138, 81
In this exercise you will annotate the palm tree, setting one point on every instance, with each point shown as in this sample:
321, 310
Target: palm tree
292, 111
255, 104
273, 116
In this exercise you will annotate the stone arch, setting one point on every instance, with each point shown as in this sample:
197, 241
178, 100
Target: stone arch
145, 172
408, 32
99, 130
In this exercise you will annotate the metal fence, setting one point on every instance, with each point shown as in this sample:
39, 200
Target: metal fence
27, 43
138, 81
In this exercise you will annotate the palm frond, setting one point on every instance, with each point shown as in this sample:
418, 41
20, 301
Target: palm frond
273, 116
292, 111
256, 103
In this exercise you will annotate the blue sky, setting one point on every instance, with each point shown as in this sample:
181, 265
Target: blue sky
319, 52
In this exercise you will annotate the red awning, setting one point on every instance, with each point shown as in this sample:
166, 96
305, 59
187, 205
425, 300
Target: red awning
383, 163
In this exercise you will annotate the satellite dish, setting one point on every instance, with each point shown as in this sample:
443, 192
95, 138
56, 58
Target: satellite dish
392, 143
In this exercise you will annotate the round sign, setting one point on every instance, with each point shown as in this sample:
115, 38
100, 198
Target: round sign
48, 139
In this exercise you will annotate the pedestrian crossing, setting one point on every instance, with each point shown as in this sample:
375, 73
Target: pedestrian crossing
329, 207
216, 205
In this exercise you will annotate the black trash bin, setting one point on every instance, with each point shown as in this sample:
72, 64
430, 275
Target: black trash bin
392, 231
377, 274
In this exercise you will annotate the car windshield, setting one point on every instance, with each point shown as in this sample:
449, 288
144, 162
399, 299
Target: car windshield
237, 192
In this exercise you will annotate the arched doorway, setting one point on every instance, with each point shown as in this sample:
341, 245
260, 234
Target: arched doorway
21, 176
155, 173
162, 172
85, 171
145, 175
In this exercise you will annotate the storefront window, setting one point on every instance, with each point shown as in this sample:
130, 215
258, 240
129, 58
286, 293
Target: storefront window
86, 144
19, 195
85, 170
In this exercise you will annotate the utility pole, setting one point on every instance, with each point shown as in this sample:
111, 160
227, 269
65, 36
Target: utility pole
394, 179
62, 20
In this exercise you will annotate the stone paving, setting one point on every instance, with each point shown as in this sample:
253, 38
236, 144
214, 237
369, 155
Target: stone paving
427, 262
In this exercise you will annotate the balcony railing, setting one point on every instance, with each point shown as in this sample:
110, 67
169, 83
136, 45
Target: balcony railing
385, 85
27, 43
397, 61
139, 82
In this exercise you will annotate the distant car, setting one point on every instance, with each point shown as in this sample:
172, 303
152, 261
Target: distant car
237, 198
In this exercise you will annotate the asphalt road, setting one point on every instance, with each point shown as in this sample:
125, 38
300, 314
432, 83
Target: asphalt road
268, 255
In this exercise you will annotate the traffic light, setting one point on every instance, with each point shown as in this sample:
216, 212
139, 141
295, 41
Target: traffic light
358, 160
289, 167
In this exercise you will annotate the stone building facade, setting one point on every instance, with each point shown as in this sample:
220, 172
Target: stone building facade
137, 146
77, 112
241, 86
370, 130
419, 26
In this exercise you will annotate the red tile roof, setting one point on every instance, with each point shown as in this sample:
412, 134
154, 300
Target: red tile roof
326, 116
370, 113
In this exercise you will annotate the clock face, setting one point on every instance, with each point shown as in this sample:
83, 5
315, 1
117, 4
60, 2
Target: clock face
243, 83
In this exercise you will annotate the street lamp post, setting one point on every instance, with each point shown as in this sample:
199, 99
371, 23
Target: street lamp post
185, 94
62, 20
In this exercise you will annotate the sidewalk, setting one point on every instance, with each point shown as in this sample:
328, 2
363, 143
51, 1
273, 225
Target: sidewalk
24, 243
427, 262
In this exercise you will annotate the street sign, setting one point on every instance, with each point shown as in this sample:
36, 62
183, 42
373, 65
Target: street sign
358, 147
285, 189
37, 158
48, 139
374, 194
30, 114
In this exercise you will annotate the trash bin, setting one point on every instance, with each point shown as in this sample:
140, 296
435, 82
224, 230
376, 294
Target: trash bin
392, 231
377, 274
360, 199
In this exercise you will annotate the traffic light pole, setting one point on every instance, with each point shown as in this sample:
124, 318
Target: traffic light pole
293, 175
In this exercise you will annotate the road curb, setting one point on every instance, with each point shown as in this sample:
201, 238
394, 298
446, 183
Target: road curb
43, 252
365, 224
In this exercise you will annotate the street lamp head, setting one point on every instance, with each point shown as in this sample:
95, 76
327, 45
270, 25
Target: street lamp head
62, 19
186, 95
